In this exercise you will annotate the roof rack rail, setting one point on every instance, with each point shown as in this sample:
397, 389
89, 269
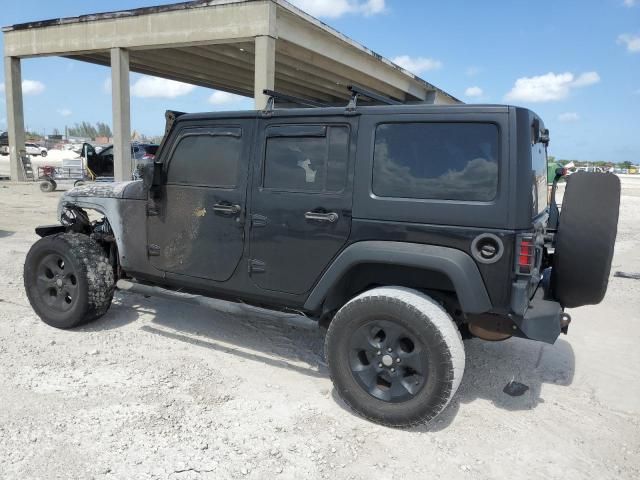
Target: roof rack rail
357, 91
273, 96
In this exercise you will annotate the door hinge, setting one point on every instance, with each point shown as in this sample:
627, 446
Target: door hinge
257, 266
153, 250
152, 211
258, 220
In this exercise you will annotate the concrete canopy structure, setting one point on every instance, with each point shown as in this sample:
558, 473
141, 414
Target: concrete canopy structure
237, 46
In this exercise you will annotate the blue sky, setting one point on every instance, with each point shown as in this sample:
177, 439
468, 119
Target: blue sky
574, 62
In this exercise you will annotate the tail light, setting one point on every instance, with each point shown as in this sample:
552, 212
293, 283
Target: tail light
148, 156
526, 255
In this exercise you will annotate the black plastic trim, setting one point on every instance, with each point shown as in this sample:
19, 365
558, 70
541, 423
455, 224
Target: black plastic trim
457, 265
47, 230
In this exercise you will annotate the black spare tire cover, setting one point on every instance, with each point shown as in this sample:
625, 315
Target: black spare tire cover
585, 239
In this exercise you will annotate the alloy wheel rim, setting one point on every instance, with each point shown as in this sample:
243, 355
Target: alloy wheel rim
57, 282
388, 361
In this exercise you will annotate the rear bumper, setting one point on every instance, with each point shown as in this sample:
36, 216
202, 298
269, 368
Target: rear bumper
543, 320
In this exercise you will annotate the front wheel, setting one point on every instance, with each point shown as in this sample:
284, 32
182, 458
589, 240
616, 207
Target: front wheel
68, 279
395, 356
43, 153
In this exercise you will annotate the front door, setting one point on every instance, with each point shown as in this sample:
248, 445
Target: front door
301, 202
196, 226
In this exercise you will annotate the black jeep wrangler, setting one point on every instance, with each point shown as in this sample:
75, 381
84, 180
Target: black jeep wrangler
400, 228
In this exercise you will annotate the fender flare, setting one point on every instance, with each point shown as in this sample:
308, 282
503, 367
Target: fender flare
455, 264
110, 208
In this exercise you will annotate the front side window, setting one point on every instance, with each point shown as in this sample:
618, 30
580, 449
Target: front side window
441, 161
306, 159
206, 159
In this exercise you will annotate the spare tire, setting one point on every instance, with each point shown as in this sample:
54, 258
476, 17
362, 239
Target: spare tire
585, 239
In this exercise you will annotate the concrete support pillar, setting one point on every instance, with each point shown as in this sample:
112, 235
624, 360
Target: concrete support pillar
265, 69
15, 115
121, 107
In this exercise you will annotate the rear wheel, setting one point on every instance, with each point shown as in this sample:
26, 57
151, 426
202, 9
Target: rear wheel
68, 279
43, 153
395, 356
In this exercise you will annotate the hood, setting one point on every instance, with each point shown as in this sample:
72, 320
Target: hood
133, 190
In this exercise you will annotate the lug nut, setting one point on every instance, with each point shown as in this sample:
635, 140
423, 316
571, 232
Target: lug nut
380, 365
389, 349
379, 352
393, 369
398, 360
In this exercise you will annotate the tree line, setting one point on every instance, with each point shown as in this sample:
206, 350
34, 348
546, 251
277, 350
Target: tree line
87, 130
582, 163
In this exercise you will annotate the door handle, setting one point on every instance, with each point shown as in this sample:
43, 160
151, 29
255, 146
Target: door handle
227, 209
331, 217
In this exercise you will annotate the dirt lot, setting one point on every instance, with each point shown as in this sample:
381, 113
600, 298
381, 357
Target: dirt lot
159, 389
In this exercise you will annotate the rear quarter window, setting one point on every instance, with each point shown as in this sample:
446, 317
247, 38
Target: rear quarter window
440, 161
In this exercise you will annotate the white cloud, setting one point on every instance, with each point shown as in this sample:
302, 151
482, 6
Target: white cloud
223, 98
32, 87
417, 65
155, 87
474, 92
630, 3
585, 79
65, 112
372, 7
472, 71
106, 85
338, 8
550, 87
632, 42
568, 117
29, 87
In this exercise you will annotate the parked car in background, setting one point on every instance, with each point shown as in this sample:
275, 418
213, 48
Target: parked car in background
4, 143
100, 162
143, 151
31, 148
142, 154
35, 150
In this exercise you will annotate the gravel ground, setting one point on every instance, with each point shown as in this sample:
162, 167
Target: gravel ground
160, 389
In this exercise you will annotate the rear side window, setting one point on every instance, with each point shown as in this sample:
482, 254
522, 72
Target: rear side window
306, 158
441, 161
207, 159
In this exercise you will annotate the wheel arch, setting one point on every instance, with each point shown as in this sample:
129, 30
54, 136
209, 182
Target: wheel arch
110, 209
379, 263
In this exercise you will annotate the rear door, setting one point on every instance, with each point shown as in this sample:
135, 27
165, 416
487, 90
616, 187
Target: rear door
197, 229
301, 201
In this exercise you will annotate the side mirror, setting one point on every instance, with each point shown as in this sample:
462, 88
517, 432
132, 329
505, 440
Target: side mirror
152, 175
